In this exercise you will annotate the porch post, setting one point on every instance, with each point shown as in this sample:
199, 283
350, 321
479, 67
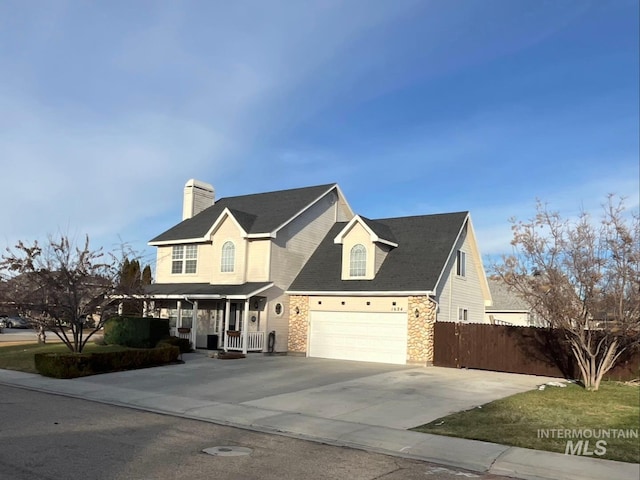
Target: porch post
225, 323
194, 323
245, 321
179, 319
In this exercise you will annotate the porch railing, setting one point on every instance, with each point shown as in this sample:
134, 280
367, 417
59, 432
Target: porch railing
255, 341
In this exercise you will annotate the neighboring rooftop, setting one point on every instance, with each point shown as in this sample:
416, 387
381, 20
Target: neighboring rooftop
504, 300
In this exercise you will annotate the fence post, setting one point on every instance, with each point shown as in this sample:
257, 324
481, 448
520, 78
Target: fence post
457, 344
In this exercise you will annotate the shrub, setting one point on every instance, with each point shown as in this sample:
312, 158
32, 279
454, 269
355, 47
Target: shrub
135, 332
182, 343
72, 365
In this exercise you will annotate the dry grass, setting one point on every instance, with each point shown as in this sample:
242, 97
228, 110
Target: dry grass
520, 420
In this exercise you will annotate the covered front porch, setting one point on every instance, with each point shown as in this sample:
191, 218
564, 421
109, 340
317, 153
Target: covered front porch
226, 317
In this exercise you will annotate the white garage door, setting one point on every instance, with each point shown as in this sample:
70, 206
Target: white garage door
367, 337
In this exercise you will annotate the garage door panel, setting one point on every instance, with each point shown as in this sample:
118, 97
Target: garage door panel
372, 337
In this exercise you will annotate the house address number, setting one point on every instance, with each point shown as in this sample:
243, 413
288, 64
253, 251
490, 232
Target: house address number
397, 309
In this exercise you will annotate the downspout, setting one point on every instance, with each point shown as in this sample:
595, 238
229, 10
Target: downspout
437, 308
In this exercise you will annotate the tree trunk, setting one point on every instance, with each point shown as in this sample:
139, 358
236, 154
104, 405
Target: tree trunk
591, 370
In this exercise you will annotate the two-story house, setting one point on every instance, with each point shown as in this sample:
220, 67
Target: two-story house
297, 271
223, 270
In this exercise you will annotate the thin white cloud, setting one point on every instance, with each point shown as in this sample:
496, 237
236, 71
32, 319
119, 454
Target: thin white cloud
96, 178
173, 90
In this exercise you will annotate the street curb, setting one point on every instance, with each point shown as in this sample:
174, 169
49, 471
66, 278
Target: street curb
474, 455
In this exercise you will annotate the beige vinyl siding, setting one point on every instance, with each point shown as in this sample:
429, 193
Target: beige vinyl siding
343, 212
461, 292
297, 241
290, 250
258, 258
163, 266
228, 230
381, 253
277, 323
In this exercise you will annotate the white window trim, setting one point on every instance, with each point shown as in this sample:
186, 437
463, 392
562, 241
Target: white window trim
224, 260
463, 314
188, 253
362, 260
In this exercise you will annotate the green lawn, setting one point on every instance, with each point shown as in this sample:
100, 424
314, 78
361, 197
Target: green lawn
20, 357
525, 419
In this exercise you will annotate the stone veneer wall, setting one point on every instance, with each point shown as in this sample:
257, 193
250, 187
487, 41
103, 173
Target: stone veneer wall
298, 323
420, 330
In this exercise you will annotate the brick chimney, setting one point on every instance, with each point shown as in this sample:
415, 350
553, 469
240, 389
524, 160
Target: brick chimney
197, 196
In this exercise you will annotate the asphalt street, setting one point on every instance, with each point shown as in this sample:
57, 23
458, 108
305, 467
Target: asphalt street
44, 436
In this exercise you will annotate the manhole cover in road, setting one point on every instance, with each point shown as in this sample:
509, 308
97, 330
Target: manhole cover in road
227, 451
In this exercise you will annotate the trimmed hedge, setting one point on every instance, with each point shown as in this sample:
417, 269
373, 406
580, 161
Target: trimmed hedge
72, 365
135, 332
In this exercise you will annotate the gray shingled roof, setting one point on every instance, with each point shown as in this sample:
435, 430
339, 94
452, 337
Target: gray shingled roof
186, 289
504, 299
256, 213
424, 245
380, 229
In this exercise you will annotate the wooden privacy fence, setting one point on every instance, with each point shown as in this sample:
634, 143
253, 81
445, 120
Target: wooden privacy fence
528, 350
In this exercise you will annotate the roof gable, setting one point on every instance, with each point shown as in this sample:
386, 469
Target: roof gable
242, 220
257, 214
379, 232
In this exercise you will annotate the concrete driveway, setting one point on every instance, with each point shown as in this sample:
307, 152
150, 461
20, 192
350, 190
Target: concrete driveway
368, 393
350, 404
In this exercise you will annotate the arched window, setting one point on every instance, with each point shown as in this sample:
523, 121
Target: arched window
228, 259
358, 261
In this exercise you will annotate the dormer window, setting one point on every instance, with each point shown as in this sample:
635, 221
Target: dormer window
228, 258
358, 261
184, 259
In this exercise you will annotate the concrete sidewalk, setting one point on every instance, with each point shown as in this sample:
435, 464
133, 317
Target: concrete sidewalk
468, 454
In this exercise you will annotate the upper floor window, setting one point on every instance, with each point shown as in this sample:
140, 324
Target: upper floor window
358, 261
184, 259
228, 259
461, 264
463, 314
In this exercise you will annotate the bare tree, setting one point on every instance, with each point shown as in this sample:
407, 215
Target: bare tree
64, 288
582, 277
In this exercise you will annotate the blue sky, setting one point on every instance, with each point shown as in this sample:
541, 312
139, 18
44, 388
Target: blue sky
412, 107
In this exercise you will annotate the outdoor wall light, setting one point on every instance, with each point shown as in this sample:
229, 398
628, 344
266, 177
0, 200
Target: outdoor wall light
297, 310
417, 312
